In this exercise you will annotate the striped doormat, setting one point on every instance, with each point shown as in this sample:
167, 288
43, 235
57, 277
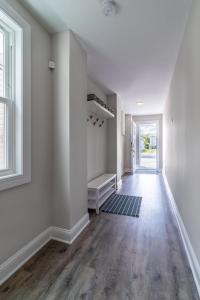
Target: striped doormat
123, 205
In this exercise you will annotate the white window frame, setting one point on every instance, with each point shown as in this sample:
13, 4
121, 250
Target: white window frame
19, 170
8, 98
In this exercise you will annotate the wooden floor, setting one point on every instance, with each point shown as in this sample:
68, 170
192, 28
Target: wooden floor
116, 257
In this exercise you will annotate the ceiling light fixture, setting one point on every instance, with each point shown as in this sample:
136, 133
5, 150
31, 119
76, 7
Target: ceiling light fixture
109, 7
140, 103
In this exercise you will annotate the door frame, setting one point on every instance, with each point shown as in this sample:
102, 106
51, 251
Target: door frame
158, 143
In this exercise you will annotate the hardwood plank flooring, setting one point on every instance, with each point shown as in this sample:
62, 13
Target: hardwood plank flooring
115, 257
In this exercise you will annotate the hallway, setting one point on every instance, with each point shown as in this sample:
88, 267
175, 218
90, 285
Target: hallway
116, 257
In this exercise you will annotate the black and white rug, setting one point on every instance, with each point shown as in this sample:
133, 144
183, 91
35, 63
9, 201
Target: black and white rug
122, 205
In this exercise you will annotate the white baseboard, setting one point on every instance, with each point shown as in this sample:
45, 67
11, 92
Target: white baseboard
192, 258
122, 172
12, 264
128, 171
119, 183
68, 236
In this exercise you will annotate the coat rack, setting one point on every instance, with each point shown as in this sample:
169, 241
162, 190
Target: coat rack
95, 120
98, 111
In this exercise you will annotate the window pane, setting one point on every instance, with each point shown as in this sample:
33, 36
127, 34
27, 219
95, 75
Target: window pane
2, 136
2, 75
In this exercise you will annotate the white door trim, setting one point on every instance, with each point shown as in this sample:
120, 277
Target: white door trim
158, 138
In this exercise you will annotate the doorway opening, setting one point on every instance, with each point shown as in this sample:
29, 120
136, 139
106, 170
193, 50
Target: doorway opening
147, 157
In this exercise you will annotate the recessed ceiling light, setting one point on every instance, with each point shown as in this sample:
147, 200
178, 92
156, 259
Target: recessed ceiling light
109, 7
140, 103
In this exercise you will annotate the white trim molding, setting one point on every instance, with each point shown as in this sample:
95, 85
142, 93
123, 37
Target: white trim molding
69, 235
192, 258
12, 264
119, 184
126, 170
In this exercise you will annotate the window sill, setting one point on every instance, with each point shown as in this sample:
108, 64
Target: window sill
13, 180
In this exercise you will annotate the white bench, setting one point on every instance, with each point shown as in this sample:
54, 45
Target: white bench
100, 189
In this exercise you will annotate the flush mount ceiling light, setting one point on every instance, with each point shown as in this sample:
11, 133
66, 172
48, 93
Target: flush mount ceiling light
140, 103
109, 7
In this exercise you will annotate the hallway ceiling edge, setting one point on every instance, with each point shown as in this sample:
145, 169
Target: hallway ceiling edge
132, 53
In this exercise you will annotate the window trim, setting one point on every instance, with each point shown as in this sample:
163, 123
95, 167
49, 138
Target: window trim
22, 117
9, 138
8, 98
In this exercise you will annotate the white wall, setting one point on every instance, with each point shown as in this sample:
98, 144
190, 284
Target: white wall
106, 144
122, 155
78, 131
128, 140
182, 129
120, 139
122, 143
70, 145
112, 137
60, 54
96, 139
115, 142
94, 88
25, 210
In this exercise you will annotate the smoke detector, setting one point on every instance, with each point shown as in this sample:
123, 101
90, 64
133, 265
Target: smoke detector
109, 7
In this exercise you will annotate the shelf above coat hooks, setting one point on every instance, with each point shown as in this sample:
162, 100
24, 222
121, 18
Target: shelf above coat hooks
95, 108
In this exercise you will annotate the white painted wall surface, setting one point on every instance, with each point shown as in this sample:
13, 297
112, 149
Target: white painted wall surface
182, 127
70, 138
120, 139
122, 143
61, 193
93, 88
78, 131
128, 139
122, 155
114, 138
96, 140
25, 210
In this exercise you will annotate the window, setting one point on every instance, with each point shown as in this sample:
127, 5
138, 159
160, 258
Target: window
14, 98
6, 98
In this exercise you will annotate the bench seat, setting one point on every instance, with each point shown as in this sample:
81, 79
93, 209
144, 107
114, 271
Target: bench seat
100, 189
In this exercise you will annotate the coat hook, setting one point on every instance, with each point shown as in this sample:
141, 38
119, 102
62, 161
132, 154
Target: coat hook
94, 123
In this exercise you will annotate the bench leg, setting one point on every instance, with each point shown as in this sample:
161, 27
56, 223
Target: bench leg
97, 203
97, 208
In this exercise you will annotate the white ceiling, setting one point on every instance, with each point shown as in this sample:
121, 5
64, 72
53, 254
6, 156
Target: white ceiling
132, 53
